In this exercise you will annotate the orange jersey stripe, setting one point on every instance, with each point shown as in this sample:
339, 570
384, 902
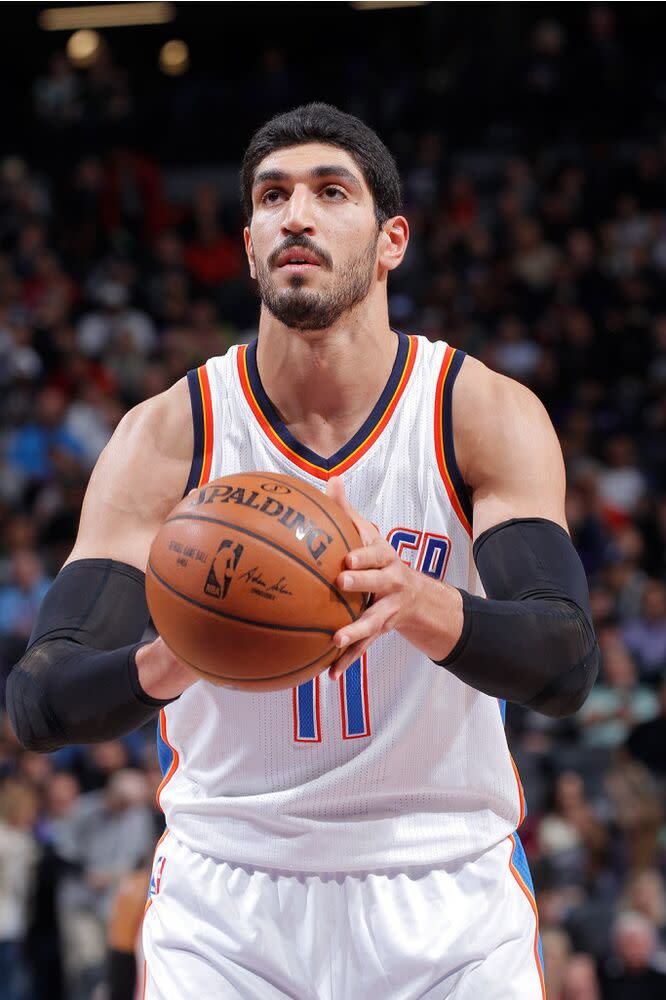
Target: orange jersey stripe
388, 413
302, 463
521, 794
145, 979
204, 386
439, 442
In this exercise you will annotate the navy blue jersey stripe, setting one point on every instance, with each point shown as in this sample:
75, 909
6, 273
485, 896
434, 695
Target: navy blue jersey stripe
447, 428
198, 425
361, 435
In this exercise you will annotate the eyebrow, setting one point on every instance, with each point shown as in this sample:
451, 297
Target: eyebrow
325, 170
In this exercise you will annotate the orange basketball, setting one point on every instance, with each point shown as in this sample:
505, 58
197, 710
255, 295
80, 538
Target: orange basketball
241, 580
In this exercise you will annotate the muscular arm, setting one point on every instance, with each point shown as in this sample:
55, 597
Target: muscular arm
85, 676
531, 639
506, 448
534, 630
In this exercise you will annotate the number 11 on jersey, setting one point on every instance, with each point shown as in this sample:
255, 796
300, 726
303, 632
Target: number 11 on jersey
425, 552
354, 705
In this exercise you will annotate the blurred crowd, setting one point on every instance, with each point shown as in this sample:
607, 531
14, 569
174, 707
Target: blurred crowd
542, 254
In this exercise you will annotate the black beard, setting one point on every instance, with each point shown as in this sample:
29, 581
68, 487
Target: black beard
300, 308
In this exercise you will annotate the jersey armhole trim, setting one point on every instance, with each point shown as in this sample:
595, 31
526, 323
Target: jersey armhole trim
444, 447
168, 756
202, 423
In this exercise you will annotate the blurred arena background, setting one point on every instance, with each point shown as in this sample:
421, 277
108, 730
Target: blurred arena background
531, 139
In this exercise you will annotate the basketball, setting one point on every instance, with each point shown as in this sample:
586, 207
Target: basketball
241, 580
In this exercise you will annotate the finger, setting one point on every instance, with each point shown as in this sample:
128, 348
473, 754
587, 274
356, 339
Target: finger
336, 490
372, 556
367, 581
371, 622
377, 554
354, 653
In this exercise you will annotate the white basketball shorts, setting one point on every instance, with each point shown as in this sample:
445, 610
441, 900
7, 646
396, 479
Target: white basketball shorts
467, 932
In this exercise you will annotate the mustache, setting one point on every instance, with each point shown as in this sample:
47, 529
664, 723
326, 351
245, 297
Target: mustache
307, 244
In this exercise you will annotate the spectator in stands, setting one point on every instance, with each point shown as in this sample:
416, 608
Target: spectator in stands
512, 352
586, 525
617, 702
556, 947
99, 331
645, 893
637, 813
623, 572
34, 449
622, 483
535, 259
647, 741
212, 255
20, 598
59, 799
580, 981
629, 973
106, 835
18, 861
58, 96
570, 836
646, 637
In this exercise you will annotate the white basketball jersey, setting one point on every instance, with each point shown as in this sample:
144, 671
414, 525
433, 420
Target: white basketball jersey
398, 763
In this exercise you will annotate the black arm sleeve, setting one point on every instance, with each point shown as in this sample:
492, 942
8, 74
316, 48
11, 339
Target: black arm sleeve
77, 682
531, 641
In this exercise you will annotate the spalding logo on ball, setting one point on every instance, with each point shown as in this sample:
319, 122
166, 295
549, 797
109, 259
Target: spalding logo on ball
241, 580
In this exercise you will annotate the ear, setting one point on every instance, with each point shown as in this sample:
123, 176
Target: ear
249, 250
393, 240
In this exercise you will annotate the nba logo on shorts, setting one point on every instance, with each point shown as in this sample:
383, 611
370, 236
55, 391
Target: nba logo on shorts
156, 876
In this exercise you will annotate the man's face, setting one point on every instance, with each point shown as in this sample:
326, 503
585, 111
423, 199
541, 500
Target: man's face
312, 240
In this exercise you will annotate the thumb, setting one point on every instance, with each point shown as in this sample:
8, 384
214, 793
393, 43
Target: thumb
335, 489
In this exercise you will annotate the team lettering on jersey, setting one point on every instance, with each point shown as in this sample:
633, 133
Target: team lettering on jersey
425, 551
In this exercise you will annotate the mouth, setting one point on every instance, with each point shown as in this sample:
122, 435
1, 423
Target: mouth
297, 260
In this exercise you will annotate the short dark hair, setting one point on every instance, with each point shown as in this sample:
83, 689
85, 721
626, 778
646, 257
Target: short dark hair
324, 123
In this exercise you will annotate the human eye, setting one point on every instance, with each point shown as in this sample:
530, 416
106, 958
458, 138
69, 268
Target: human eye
333, 193
272, 196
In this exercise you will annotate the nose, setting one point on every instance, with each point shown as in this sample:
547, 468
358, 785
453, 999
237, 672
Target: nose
298, 215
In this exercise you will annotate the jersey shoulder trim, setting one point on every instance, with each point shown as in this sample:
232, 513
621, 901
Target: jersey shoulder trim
444, 447
202, 422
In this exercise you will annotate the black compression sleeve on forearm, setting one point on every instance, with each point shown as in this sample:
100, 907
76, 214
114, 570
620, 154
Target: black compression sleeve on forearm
78, 682
531, 640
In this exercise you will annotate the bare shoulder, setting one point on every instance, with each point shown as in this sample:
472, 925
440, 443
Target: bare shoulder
160, 426
138, 478
506, 448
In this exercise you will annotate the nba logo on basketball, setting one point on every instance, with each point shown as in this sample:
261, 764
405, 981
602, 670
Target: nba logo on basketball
156, 876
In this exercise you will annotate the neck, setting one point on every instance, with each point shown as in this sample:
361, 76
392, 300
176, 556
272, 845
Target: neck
324, 383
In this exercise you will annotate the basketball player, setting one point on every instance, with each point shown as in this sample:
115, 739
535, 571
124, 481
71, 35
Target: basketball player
355, 837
